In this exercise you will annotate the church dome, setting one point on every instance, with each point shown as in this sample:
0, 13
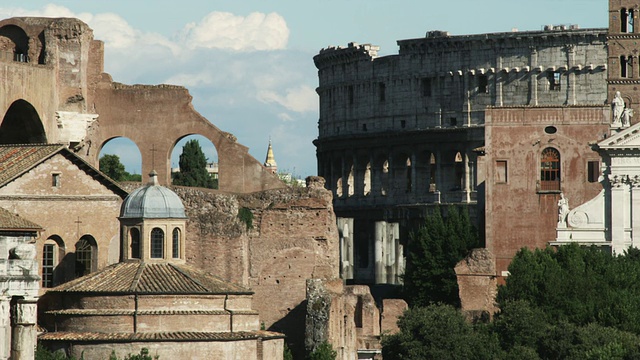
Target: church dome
152, 201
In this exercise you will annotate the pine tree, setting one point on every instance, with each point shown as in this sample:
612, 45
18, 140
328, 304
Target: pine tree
193, 167
433, 252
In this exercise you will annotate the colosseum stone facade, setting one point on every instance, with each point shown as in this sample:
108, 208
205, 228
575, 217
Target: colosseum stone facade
399, 134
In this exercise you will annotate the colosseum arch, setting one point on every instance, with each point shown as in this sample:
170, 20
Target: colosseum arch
22, 125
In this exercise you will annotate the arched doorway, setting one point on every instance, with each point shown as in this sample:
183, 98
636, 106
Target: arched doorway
22, 125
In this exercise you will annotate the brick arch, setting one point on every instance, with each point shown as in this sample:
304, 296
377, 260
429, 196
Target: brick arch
153, 117
106, 141
21, 124
179, 138
14, 41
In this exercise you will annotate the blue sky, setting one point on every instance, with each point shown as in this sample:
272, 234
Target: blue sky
248, 63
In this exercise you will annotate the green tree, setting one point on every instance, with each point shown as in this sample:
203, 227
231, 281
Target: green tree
433, 251
110, 165
579, 285
324, 351
193, 167
438, 332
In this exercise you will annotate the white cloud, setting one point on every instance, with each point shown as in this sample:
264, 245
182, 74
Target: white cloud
223, 30
300, 99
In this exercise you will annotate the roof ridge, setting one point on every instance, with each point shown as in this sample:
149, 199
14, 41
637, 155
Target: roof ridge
136, 277
183, 273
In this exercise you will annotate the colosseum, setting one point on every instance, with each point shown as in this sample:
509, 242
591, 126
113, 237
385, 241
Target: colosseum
400, 134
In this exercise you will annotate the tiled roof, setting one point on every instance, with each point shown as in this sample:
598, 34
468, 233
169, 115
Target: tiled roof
11, 221
151, 278
110, 312
159, 336
15, 160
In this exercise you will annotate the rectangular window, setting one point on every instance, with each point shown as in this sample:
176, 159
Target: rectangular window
483, 84
593, 171
501, 171
453, 121
350, 94
382, 92
48, 261
55, 180
426, 87
554, 81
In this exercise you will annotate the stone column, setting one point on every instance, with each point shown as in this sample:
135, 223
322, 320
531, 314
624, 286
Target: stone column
499, 81
23, 339
392, 256
571, 75
635, 219
346, 248
467, 178
618, 212
533, 78
5, 328
379, 249
466, 80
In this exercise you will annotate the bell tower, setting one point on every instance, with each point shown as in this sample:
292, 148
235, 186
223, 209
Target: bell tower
623, 64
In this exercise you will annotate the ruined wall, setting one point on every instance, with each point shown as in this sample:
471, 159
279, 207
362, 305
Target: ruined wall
348, 318
55, 66
477, 285
293, 237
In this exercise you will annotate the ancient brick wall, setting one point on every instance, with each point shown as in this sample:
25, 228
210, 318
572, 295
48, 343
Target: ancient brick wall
520, 212
293, 237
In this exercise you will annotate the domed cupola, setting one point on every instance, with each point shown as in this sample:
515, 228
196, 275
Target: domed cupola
152, 223
152, 202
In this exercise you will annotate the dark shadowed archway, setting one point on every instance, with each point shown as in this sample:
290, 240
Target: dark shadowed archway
22, 125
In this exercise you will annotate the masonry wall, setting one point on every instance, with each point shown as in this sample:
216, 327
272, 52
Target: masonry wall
518, 211
79, 206
293, 237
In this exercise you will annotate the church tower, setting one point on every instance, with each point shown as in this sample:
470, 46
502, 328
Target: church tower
624, 46
270, 162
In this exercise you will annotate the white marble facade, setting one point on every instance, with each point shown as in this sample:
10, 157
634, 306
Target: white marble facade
19, 287
612, 218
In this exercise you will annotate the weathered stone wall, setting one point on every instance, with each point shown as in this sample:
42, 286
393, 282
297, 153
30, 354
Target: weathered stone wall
348, 318
477, 284
293, 237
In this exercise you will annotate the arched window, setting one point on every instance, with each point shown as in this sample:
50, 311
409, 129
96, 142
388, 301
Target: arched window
52, 254
86, 255
157, 243
626, 66
367, 180
432, 172
459, 168
134, 243
176, 243
550, 170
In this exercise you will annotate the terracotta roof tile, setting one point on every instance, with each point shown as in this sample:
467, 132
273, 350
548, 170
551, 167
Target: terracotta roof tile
159, 336
151, 278
11, 221
15, 160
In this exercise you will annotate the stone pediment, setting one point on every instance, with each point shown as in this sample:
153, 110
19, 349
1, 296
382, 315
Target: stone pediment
626, 139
